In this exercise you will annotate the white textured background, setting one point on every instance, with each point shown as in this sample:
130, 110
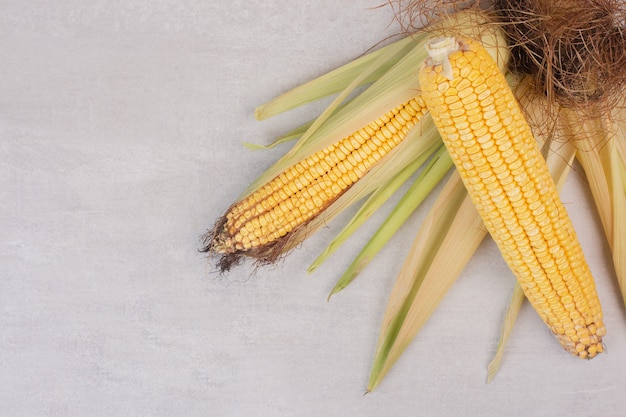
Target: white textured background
121, 125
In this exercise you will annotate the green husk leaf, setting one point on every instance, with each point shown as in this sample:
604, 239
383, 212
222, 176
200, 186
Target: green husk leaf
452, 226
287, 137
336, 80
371, 205
419, 190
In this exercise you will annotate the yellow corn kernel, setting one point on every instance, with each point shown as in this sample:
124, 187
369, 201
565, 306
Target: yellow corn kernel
303, 190
510, 184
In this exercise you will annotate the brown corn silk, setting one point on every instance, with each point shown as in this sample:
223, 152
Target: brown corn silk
575, 50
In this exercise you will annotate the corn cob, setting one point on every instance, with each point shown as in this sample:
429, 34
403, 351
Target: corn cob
506, 176
258, 224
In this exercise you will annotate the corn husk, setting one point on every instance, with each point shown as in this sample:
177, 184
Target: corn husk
439, 165
452, 225
600, 140
515, 304
365, 69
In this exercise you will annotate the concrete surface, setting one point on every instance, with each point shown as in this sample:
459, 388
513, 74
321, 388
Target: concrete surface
121, 125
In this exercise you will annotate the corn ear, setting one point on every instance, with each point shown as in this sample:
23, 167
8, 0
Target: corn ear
427, 276
339, 123
495, 152
559, 157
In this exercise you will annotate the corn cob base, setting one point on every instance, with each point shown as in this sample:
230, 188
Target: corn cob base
508, 180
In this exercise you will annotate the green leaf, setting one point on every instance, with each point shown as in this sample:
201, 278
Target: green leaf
452, 226
419, 190
287, 137
371, 205
335, 81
